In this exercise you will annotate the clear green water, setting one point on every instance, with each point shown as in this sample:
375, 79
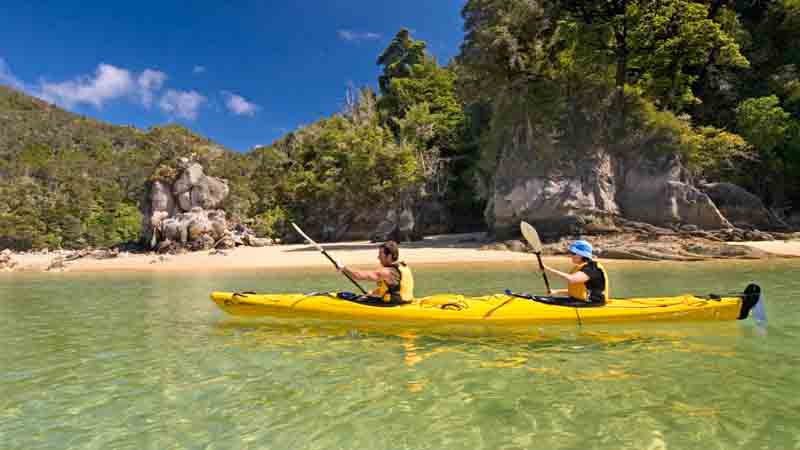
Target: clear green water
145, 361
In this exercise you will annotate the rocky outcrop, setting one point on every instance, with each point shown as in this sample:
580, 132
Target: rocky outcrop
7, 262
741, 207
655, 190
183, 213
398, 226
559, 199
411, 223
592, 192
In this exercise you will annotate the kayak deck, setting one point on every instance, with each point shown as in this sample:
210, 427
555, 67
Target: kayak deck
500, 309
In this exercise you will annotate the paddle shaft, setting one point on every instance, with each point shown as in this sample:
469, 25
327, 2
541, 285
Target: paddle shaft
333, 261
544, 274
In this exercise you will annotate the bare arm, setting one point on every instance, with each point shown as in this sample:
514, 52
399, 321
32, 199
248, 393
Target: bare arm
572, 278
383, 274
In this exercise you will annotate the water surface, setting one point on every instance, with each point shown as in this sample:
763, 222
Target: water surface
146, 361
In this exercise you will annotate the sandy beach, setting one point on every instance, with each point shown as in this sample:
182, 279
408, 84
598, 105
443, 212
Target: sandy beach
779, 248
434, 250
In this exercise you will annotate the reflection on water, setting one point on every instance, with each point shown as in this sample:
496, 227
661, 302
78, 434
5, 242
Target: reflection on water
148, 362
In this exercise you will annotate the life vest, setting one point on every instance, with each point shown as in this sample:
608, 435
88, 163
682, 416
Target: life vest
401, 292
580, 291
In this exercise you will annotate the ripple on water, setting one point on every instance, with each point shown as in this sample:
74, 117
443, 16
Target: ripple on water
147, 362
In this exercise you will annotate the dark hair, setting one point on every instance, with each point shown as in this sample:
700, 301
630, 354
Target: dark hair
390, 248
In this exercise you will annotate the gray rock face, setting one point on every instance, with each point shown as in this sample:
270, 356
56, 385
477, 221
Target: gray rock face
740, 206
406, 225
556, 199
161, 198
591, 193
209, 192
195, 189
433, 217
189, 178
653, 191
398, 226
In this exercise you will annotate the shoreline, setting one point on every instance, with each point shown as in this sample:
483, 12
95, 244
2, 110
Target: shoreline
443, 250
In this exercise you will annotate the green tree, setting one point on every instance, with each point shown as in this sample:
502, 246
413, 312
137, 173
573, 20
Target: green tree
343, 165
400, 58
763, 123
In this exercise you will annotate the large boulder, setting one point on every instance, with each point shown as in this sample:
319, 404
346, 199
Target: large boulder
432, 217
209, 192
406, 226
563, 198
741, 207
590, 191
184, 200
195, 189
161, 197
387, 229
174, 229
653, 190
197, 224
397, 226
219, 225
188, 178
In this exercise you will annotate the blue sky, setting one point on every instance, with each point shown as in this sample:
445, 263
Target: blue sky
240, 72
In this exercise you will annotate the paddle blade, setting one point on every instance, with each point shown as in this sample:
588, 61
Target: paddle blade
531, 236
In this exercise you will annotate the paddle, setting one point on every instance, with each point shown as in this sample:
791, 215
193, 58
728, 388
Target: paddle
532, 237
336, 264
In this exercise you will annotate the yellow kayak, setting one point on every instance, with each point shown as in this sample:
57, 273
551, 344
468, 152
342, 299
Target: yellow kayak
499, 309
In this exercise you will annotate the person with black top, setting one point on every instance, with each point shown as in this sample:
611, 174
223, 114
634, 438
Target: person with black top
587, 281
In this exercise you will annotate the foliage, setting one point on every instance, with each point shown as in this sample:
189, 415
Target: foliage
639, 76
400, 59
70, 182
341, 164
763, 122
630, 76
272, 222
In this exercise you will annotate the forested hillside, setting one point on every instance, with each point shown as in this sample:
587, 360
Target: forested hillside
716, 85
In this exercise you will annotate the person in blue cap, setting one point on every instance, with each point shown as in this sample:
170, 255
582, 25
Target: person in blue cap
588, 281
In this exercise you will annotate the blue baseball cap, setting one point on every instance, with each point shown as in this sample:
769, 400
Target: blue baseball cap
581, 248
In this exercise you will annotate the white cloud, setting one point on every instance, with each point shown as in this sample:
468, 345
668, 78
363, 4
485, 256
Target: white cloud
238, 105
199, 69
7, 78
355, 36
108, 83
181, 103
149, 82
